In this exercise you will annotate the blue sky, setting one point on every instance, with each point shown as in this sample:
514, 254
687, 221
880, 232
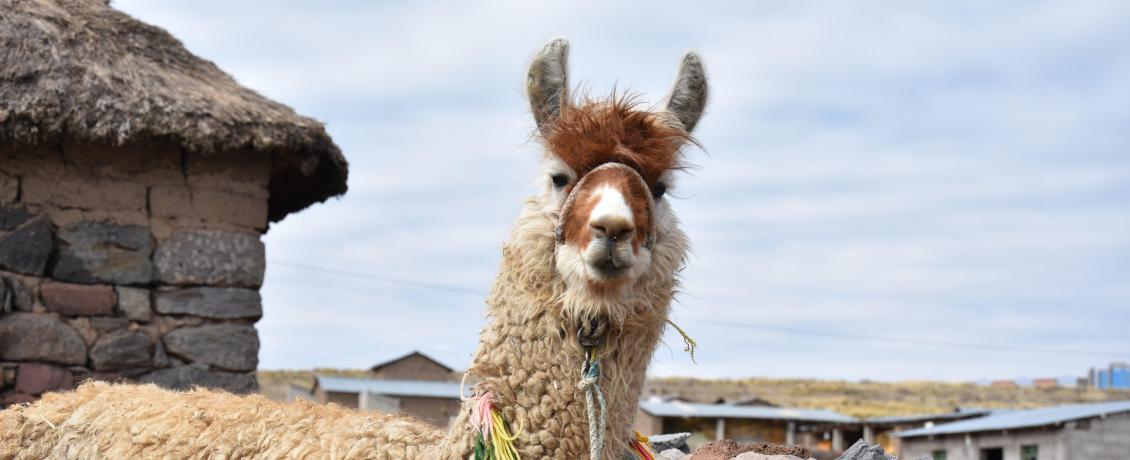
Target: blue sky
942, 172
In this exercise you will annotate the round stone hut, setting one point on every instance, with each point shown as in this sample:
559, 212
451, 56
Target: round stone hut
136, 180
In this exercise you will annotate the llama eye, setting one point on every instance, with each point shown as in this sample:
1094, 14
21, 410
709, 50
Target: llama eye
659, 190
559, 180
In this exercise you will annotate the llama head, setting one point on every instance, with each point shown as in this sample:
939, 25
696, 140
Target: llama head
608, 165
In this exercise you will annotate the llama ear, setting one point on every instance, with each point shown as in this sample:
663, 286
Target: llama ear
688, 97
548, 81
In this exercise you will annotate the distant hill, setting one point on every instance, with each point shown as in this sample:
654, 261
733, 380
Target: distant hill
871, 399
859, 399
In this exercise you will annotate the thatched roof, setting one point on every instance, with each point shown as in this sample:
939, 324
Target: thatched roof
78, 69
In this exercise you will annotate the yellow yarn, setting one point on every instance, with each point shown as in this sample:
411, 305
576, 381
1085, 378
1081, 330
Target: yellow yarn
691, 344
502, 442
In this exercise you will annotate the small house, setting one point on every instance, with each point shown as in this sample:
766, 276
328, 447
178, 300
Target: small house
136, 180
1099, 431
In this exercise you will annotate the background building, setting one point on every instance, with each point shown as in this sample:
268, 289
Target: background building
1073, 432
135, 182
414, 384
813, 428
1114, 377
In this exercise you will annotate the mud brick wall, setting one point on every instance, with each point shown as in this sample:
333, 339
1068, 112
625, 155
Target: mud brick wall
139, 263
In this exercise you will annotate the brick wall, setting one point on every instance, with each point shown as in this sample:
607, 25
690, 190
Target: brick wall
129, 263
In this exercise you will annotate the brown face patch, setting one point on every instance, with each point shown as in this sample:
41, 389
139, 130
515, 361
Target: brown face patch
590, 134
575, 229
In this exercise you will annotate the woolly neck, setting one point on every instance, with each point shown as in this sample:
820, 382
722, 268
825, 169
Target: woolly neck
529, 357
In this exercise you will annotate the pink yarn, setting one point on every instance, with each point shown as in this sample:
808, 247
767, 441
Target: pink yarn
481, 414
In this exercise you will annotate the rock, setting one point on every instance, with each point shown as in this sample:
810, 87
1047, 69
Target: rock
123, 350
661, 442
14, 295
92, 252
186, 377
672, 454
7, 374
160, 358
36, 379
227, 346
727, 449
27, 248
78, 299
861, 451
134, 302
211, 257
34, 337
12, 217
209, 302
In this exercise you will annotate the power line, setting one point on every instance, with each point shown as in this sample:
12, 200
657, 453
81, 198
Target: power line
730, 324
902, 340
383, 279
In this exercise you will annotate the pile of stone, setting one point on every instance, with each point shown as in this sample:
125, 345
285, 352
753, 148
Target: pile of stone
729, 450
131, 263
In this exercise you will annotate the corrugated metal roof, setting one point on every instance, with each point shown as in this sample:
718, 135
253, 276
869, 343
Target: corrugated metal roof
684, 409
917, 418
418, 388
1007, 420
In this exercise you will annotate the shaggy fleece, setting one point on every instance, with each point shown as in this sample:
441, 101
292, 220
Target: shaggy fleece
100, 420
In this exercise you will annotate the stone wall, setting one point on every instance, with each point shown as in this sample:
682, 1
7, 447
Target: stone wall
138, 263
1048, 441
1104, 438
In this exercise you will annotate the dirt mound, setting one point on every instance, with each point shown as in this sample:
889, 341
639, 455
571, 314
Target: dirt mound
727, 449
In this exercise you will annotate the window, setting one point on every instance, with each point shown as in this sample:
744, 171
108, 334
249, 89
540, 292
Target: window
938, 454
992, 453
1029, 452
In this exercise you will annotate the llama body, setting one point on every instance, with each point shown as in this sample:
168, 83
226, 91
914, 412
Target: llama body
597, 251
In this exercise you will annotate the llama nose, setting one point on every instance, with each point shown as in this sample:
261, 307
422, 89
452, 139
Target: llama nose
611, 226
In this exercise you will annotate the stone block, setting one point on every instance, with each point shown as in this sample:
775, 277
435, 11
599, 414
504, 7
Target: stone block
208, 302
78, 299
187, 376
15, 295
134, 303
8, 374
91, 252
17, 398
80, 191
12, 217
161, 325
227, 346
211, 257
27, 248
160, 358
9, 188
36, 379
34, 337
122, 350
246, 173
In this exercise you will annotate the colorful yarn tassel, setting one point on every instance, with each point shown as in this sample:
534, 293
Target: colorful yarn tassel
493, 440
641, 448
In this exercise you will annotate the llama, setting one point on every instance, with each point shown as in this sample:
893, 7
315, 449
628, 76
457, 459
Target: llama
587, 276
